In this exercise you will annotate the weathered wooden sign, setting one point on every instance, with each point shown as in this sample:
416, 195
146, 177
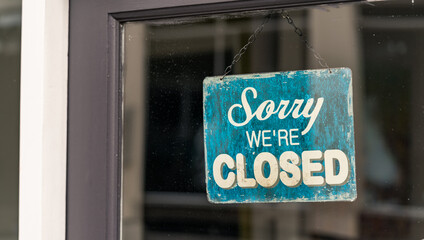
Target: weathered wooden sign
280, 137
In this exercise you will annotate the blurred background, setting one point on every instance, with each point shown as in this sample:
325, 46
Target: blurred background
10, 47
164, 64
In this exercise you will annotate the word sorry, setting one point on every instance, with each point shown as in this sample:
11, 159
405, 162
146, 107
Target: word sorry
289, 162
268, 106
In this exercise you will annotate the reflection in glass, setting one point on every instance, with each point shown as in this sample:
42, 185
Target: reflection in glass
164, 63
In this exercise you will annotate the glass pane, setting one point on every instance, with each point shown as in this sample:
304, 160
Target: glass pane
164, 64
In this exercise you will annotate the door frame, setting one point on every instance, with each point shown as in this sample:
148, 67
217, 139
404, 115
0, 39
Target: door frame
94, 100
43, 120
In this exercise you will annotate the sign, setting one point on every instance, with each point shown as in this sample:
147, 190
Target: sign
280, 137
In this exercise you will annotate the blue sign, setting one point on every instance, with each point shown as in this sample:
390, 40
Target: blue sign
280, 137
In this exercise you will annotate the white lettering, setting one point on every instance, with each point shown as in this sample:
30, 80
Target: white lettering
309, 167
313, 116
258, 169
218, 165
267, 107
245, 106
331, 177
293, 136
289, 162
282, 137
264, 138
286, 169
253, 137
242, 180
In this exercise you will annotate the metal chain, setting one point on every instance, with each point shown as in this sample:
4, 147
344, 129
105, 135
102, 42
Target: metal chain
299, 32
259, 29
251, 39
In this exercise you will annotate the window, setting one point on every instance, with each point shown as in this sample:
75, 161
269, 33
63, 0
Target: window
164, 64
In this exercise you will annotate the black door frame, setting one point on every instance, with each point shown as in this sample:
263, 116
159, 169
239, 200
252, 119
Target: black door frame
94, 110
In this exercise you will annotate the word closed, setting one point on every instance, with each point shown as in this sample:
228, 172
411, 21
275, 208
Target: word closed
280, 137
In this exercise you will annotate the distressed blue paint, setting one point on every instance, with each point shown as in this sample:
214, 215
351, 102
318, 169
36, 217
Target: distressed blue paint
333, 129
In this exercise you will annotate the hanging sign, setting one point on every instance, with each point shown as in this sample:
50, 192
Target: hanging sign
280, 137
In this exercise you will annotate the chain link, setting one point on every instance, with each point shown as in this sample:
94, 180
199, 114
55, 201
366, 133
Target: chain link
251, 39
259, 29
299, 32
